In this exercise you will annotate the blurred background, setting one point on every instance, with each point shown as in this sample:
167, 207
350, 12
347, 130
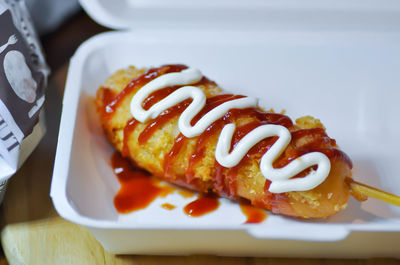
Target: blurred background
62, 25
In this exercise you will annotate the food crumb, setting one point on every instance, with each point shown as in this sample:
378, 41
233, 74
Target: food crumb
168, 206
308, 122
338, 207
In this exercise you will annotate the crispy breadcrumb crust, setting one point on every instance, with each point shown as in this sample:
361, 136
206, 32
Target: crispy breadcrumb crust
324, 200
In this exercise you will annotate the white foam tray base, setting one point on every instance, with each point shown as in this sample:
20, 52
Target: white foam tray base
347, 79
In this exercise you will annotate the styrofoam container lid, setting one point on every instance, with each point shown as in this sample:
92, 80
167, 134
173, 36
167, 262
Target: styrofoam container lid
382, 15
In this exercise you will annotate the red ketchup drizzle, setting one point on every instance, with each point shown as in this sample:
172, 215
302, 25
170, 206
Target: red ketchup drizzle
224, 180
162, 119
201, 143
170, 157
137, 83
156, 96
108, 97
166, 115
201, 206
128, 130
112, 101
311, 140
211, 103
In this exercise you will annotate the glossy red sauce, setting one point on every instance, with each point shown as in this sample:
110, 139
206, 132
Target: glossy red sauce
156, 96
253, 214
162, 119
135, 84
308, 140
201, 206
107, 97
198, 154
170, 157
166, 115
153, 98
213, 102
230, 116
200, 148
224, 180
128, 130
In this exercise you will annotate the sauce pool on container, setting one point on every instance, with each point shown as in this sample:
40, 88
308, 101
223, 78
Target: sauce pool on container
138, 188
201, 206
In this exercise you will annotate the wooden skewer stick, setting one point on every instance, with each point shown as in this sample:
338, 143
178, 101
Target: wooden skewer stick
368, 191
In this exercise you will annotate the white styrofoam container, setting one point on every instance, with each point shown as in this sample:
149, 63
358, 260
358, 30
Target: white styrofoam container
347, 77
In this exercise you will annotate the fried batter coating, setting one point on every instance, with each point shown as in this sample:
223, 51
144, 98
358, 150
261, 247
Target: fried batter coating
326, 199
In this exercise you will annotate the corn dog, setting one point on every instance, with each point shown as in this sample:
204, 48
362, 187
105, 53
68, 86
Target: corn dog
181, 127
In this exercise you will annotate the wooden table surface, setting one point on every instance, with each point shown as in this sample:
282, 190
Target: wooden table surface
33, 233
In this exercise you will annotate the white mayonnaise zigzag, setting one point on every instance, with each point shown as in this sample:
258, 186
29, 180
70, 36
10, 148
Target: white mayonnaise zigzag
281, 178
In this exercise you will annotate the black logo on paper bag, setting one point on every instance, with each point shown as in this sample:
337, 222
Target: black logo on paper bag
21, 86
